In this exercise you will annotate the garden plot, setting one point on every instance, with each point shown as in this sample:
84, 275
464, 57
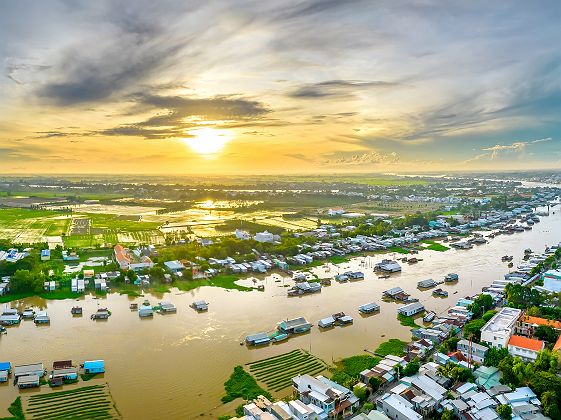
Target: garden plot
89, 402
277, 372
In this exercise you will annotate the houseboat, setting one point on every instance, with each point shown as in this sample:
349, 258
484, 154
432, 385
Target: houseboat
277, 337
304, 288
145, 311
167, 307
328, 322
76, 310
28, 313
101, 313
42, 318
451, 277
388, 266
94, 366
258, 339
429, 316
440, 292
200, 306
341, 278
355, 275
369, 308
294, 326
411, 309
426, 284
10, 317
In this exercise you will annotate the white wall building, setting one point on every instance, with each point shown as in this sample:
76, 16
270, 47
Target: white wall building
500, 328
264, 237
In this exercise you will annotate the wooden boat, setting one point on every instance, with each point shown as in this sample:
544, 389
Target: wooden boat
133, 306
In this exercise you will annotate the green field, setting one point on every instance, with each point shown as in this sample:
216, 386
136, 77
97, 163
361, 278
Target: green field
89, 402
277, 372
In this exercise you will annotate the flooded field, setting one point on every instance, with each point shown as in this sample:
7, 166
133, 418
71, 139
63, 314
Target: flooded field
178, 362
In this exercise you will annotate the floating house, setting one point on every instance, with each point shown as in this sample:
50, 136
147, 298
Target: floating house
450, 277
200, 306
5, 368
304, 288
28, 313
167, 307
10, 317
76, 310
369, 308
355, 275
411, 309
294, 326
28, 381
326, 322
257, 339
67, 374
32, 369
145, 311
425, 284
388, 266
94, 366
101, 313
41, 317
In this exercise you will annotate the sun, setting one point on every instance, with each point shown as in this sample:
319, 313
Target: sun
208, 142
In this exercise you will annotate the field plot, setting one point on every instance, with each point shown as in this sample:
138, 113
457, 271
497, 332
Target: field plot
277, 372
89, 402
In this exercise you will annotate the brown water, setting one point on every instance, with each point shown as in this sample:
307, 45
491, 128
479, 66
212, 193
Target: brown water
173, 366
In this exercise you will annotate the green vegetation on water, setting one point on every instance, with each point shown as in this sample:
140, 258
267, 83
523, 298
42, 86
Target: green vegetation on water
277, 372
392, 346
435, 246
242, 385
338, 259
226, 281
16, 410
346, 371
407, 321
398, 250
87, 376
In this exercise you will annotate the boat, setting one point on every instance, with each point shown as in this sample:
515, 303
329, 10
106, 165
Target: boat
261, 287
133, 306
450, 277
510, 264
278, 337
146, 303
76, 310
325, 282
429, 316
440, 292
3, 330
412, 260
384, 276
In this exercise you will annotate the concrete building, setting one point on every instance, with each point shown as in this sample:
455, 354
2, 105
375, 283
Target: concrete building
264, 237
396, 407
472, 351
411, 309
499, 329
525, 348
552, 281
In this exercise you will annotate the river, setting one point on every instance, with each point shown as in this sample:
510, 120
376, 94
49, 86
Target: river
174, 366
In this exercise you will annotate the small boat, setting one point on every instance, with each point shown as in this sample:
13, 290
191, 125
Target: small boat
200, 306
429, 316
133, 306
413, 260
385, 276
3, 330
146, 303
261, 287
510, 265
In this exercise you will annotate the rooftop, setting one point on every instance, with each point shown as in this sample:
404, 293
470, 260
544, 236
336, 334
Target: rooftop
526, 343
503, 320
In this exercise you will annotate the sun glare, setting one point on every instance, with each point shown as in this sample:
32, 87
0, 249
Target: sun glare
208, 142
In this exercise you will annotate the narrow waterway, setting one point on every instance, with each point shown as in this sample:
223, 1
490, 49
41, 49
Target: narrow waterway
173, 366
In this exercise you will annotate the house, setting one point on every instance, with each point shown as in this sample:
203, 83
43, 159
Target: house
174, 266
552, 281
472, 351
499, 329
28, 381
411, 309
68, 374
525, 348
294, 326
45, 255
264, 237
32, 369
242, 235
78, 285
94, 366
4, 288
121, 256
396, 407
527, 325
145, 311
88, 274
487, 377
10, 317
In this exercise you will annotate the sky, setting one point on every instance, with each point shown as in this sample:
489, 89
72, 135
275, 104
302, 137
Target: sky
292, 86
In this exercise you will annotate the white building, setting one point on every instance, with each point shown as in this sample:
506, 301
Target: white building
525, 348
474, 351
500, 328
396, 407
552, 281
411, 309
241, 234
264, 237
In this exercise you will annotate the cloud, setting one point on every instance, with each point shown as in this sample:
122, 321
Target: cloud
336, 88
518, 147
177, 114
368, 158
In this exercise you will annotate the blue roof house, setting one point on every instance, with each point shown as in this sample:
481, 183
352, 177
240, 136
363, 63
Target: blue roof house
5, 366
94, 366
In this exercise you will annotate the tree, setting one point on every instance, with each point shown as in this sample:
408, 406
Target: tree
368, 407
412, 367
550, 405
504, 411
374, 383
495, 355
447, 415
360, 392
461, 374
482, 303
546, 333
473, 328
546, 362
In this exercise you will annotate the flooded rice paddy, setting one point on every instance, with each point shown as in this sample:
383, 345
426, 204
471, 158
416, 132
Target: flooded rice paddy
173, 366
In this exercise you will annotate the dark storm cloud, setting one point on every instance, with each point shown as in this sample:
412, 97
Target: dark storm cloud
336, 88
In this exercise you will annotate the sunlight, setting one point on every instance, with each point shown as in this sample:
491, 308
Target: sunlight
208, 142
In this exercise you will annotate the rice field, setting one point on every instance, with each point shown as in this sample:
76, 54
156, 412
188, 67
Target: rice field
89, 402
277, 372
